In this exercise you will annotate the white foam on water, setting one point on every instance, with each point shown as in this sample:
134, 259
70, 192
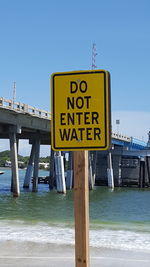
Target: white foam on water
44, 233
120, 239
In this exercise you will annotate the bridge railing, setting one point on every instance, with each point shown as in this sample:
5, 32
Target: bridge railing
138, 142
121, 137
27, 109
24, 108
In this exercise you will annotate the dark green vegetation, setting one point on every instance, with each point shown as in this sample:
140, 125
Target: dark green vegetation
5, 156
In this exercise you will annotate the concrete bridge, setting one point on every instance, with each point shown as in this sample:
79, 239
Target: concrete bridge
29, 122
21, 121
26, 121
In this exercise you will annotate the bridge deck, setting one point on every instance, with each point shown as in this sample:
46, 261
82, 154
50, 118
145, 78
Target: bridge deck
32, 121
29, 121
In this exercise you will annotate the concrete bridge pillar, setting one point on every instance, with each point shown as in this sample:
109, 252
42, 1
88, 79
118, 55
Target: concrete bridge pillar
94, 161
148, 169
117, 170
14, 160
52, 170
110, 175
92, 168
60, 174
69, 177
17, 143
142, 173
90, 173
29, 169
36, 165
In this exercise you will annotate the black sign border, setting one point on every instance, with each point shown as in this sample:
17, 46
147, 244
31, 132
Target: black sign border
107, 142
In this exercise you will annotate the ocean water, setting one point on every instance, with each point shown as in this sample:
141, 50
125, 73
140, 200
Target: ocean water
119, 219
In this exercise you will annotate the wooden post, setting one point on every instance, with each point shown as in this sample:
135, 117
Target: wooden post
81, 207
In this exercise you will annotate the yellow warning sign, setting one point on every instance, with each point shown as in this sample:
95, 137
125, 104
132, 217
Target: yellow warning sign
81, 110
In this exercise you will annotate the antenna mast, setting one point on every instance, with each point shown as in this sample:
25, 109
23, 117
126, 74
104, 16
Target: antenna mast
14, 91
94, 54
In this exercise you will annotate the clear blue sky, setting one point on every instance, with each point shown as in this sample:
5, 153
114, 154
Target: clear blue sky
39, 37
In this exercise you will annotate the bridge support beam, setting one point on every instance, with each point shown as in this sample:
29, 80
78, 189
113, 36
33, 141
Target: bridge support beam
14, 162
29, 169
36, 165
110, 175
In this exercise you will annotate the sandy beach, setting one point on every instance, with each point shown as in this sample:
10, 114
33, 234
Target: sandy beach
44, 255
